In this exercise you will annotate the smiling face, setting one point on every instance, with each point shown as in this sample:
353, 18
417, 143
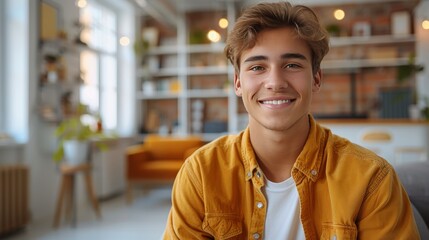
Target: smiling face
276, 80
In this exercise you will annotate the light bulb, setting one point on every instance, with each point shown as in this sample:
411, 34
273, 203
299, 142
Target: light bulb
124, 41
223, 23
213, 36
425, 24
81, 3
339, 14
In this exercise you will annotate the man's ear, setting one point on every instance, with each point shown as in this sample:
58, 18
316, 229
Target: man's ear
237, 85
317, 81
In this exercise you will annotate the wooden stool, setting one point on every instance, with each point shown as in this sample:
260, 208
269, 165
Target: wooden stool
66, 193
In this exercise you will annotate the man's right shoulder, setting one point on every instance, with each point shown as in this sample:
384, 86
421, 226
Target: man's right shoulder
223, 150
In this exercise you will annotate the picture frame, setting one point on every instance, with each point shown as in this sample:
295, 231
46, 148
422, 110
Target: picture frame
50, 20
400, 23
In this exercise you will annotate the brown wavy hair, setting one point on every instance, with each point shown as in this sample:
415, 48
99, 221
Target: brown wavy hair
263, 16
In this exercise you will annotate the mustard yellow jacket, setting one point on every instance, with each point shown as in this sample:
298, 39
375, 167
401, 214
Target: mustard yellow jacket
345, 192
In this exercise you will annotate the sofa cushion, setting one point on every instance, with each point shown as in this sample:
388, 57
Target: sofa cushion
171, 147
161, 169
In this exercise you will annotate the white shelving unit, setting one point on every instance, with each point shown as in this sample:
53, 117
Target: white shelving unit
354, 55
185, 74
352, 63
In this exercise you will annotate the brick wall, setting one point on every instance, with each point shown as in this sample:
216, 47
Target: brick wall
334, 97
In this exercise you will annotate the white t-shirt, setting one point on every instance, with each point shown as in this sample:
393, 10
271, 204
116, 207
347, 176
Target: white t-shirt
283, 214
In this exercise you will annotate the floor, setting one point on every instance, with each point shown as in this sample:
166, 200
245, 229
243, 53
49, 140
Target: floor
144, 219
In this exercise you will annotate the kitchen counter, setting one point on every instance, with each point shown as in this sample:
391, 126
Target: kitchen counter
373, 121
401, 135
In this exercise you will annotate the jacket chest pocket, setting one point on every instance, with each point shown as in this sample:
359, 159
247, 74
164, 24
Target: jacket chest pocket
223, 225
338, 232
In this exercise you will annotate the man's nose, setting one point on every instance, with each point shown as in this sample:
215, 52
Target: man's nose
276, 79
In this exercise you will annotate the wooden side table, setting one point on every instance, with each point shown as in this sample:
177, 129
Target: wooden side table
67, 190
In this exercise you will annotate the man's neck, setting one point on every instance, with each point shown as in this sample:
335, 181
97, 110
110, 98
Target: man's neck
277, 151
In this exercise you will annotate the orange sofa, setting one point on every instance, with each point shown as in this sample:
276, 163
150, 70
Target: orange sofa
159, 158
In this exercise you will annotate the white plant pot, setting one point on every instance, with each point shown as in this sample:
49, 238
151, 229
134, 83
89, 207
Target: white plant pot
75, 152
414, 112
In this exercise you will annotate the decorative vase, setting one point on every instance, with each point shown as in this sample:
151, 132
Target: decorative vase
75, 152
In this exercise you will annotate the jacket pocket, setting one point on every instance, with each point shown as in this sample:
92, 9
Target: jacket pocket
338, 232
223, 225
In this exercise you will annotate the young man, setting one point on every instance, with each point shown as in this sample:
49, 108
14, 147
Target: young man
285, 176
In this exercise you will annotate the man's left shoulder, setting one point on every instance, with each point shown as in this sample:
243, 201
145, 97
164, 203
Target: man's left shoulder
354, 156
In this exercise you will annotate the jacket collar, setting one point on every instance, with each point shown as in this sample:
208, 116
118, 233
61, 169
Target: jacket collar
248, 154
309, 161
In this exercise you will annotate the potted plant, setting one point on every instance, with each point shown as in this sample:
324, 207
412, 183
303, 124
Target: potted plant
74, 138
406, 76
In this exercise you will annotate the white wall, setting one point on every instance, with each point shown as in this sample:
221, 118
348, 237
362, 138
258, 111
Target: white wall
422, 48
45, 177
2, 21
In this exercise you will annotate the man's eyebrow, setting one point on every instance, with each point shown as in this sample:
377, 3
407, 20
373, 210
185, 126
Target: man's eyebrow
293, 55
284, 56
256, 58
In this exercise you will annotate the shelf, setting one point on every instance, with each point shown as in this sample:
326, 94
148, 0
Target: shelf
172, 72
10, 144
195, 48
368, 40
362, 63
140, 95
163, 72
164, 50
210, 70
204, 48
207, 93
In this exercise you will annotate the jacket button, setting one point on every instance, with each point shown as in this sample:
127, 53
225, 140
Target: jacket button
259, 205
256, 236
249, 174
313, 172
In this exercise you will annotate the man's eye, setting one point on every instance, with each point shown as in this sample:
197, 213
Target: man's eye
292, 65
256, 68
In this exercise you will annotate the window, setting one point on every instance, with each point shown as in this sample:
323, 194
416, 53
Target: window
98, 62
2, 79
14, 72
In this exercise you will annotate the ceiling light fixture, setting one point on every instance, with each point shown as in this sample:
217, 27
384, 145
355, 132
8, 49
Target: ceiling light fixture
339, 14
425, 24
81, 3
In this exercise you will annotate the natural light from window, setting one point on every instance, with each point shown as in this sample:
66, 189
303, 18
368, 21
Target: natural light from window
99, 62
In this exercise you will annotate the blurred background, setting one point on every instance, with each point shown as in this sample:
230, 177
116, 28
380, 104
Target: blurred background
128, 69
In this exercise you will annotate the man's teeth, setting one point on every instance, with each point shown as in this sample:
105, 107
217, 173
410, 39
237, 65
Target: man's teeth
276, 102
